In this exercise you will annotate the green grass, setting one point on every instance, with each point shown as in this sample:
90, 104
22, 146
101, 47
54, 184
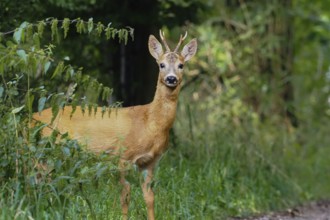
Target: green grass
226, 170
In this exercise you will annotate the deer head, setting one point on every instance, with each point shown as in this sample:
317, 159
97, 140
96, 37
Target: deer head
171, 63
142, 130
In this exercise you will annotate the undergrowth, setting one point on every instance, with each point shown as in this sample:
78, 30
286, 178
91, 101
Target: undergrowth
213, 174
224, 160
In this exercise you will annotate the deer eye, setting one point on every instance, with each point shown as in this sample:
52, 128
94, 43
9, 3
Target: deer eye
162, 65
180, 66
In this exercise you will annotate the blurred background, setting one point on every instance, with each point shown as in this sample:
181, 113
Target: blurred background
252, 127
270, 54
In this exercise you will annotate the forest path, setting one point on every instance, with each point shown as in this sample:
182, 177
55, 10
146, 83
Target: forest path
313, 211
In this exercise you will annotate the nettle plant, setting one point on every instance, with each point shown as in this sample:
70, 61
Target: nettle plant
24, 154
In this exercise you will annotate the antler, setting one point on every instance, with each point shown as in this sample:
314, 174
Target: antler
180, 42
162, 36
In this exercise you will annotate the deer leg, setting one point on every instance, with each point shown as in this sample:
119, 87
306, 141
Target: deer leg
125, 193
148, 194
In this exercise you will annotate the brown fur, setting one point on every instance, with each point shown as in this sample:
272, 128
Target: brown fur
135, 131
139, 134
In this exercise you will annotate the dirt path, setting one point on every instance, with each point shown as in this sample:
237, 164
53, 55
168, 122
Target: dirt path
313, 211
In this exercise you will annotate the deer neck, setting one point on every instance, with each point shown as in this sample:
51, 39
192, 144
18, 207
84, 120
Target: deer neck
163, 106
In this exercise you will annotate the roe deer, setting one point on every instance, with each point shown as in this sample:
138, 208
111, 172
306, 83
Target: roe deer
139, 134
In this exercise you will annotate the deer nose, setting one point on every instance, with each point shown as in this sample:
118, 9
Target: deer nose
171, 80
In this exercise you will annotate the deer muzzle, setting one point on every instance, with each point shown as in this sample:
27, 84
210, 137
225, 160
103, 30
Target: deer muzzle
171, 81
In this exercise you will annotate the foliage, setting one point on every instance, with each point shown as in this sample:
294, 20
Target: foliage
236, 149
41, 173
234, 106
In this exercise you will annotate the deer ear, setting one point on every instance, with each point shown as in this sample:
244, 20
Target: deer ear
189, 50
155, 48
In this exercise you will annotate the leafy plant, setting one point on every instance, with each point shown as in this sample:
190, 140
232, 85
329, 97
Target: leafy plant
41, 173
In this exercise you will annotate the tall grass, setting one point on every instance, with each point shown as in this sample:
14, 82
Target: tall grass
214, 173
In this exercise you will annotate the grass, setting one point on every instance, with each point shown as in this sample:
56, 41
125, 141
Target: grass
212, 174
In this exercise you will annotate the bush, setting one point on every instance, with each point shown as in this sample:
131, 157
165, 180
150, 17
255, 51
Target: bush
39, 175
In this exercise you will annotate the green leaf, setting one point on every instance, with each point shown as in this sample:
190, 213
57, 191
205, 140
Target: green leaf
41, 103
120, 35
108, 32
22, 54
46, 66
80, 26
29, 31
54, 29
19, 33
65, 26
41, 27
16, 110
36, 40
90, 25
84, 170
125, 36
69, 73
114, 32
59, 69
107, 92
99, 28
